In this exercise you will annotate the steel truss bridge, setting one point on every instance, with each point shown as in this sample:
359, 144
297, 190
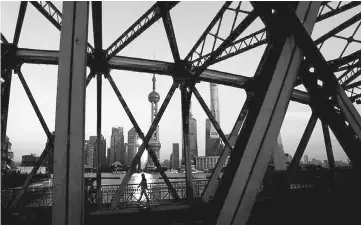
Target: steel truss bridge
291, 58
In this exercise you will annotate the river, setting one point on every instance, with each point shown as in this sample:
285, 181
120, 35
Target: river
116, 179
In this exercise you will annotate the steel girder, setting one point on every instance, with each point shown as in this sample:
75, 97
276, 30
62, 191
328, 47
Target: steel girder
139, 26
341, 115
34, 56
186, 95
238, 187
50, 12
68, 184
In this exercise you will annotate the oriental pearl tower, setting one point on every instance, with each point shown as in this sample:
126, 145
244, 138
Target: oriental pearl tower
154, 143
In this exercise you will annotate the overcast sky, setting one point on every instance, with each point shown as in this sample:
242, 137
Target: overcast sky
189, 19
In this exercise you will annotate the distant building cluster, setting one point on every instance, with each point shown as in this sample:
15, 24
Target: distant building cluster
324, 163
7, 155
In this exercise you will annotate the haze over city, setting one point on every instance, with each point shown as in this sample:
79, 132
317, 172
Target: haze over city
25, 131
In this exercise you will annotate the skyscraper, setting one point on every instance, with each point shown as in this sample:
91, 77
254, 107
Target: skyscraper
154, 143
93, 142
193, 145
132, 145
213, 142
171, 163
117, 147
305, 158
175, 156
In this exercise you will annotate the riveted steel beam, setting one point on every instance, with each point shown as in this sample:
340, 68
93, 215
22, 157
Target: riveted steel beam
68, 183
249, 160
186, 101
138, 27
19, 23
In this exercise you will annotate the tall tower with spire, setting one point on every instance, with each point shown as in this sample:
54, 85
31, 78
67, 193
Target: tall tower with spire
154, 143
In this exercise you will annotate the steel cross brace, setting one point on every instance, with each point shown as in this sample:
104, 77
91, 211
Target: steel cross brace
209, 190
325, 74
49, 145
186, 95
48, 148
211, 117
291, 171
144, 145
53, 14
138, 27
249, 161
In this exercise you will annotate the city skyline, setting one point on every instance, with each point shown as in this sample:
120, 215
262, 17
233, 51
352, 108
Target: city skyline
135, 87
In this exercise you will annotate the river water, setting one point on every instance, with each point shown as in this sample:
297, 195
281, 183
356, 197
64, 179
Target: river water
116, 179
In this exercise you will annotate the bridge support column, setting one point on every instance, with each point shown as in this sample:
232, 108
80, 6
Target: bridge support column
99, 139
68, 187
185, 101
249, 160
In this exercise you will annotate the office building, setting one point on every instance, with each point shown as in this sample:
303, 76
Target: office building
117, 147
175, 156
208, 162
132, 145
305, 158
93, 147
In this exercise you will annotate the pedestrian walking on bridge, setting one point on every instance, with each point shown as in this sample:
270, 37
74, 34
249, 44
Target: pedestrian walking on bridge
143, 185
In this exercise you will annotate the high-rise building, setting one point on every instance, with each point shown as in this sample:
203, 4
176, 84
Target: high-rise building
89, 156
108, 156
28, 160
175, 154
117, 147
126, 154
6, 154
102, 151
154, 143
171, 161
305, 158
132, 145
193, 145
213, 141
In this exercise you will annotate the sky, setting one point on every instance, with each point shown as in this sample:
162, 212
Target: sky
189, 20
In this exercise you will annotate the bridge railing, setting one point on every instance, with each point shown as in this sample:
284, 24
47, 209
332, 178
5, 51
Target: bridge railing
157, 192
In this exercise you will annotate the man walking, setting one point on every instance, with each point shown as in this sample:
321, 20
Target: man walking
143, 185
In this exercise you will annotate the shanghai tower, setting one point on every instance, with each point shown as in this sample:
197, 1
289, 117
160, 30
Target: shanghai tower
154, 143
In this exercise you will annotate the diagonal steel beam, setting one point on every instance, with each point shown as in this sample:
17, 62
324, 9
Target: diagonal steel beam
208, 29
338, 29
168, 26
314, 55
209, 190
145, 139
211, 117
227, 42
138, 27
33, 103
19, 23
3, 39
52, 13
49, 147
185, 104
328, 145
292, 169
252, 152
350, 79
338, 10
97, 24
356, 84
88, 78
